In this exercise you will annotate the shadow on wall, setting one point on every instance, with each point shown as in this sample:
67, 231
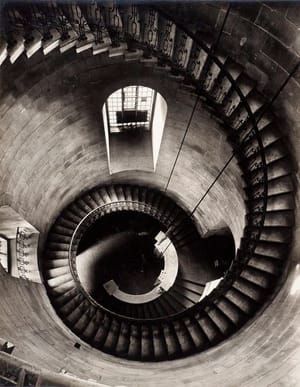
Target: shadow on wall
134, 118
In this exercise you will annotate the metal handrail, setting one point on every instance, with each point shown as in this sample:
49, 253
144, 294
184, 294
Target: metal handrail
248, 247
236, 265
81, 227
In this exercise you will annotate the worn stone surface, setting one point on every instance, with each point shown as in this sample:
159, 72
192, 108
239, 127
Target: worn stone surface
54, 145
41, 171
266, 352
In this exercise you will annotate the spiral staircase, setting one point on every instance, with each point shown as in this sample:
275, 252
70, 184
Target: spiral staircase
179, 322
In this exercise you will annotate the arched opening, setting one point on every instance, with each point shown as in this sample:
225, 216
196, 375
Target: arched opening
134, 118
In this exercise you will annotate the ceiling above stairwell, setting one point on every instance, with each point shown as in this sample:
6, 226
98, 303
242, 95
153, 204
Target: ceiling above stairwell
232, 123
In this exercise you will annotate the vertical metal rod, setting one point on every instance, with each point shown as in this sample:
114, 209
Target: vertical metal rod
216, 45
107, 116
182, 141
213, 49
123, 100
276, 95
268, 106
152, 110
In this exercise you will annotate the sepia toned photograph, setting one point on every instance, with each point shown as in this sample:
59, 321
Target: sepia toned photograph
149, 193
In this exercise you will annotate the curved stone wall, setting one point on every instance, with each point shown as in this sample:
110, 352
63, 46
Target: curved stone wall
265, 353
54, 147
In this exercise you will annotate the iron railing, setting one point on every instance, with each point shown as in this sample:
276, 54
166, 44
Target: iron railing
157, 38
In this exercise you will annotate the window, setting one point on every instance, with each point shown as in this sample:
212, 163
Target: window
134, 118
130, 108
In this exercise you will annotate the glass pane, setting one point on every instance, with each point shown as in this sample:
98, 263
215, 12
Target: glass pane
130, 108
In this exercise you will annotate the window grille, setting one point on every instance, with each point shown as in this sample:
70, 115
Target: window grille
130, 108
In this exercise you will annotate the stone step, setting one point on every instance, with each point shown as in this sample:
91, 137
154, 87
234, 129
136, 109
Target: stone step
67, 223
199, 338
56, 272
211, 331
102, 332
122, 345
65, 298
171, 340
147, 348
265, 264
260, 278
63, 288
90, 330
72, 318
59, 280
184, 338
71, 304
249, 288
134, 349
54, 263
61, 231
243, 302
111, 339
224, 324
231, 310
84, 320
223, 84
159, 345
